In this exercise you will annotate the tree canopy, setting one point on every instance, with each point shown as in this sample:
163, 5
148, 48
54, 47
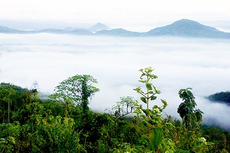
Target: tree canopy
75, 89
187, 110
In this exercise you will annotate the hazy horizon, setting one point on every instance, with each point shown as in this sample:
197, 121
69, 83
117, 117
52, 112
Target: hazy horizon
131, 15
39, 24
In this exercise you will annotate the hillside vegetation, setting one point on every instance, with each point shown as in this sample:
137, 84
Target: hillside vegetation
65, 123
220, 97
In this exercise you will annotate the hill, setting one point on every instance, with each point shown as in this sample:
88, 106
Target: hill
117, 32
180, 28
188, 28
98, 27
4, 29
222, 97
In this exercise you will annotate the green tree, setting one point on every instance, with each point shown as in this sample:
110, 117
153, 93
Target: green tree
12, 101
187, 111
123, 107
76, 89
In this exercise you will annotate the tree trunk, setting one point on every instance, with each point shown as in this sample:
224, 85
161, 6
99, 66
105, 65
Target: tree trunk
8, 111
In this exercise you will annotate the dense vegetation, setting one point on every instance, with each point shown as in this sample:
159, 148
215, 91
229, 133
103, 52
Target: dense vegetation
220, 97
64, 122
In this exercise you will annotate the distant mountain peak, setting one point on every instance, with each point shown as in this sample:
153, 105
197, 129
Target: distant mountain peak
186, 20
188, 28
189, 24
99, 26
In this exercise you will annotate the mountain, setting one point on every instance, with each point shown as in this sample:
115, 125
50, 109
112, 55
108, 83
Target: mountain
181, 28
66, 31
98, 27
187, 28
220, 97
118, 32
4, 29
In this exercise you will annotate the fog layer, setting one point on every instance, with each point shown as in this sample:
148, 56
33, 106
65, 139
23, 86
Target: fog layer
202, 64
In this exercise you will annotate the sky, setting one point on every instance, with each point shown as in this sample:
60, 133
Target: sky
129, 14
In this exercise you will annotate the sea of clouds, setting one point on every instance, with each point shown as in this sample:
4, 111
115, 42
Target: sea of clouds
48, 59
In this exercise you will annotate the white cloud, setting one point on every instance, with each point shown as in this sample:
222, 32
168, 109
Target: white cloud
202, 64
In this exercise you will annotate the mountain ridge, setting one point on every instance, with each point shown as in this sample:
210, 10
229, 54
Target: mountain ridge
180, 28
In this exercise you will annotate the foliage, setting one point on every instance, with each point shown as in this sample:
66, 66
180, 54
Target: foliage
154, 121
191, 116
146, 78
29, 124
76, 89
9, 132
219, 137
220, 96
13, 102
123, 107
186, 140
55, 134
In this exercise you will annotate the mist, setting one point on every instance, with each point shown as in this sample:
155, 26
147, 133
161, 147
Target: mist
48, 59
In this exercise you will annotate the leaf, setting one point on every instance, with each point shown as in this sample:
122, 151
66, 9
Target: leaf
155, 138
137, 89
148, 70
142, 81
181, 91
150, 92
165, 104
143, 99
143, 74
153, 76
189, 93
141, 70
153, 97
156, 90
143, 116
149, 86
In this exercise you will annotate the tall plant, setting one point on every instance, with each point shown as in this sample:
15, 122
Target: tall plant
151, 91
151, 118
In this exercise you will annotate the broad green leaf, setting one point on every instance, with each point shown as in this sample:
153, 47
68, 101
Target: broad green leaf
150, 92
149, 86
153, 76
153, 97
143, 99
142, 81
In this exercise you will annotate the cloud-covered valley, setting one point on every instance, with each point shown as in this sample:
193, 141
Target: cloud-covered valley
202, 64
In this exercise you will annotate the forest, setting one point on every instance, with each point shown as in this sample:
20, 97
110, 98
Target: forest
220, 97
65, 123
